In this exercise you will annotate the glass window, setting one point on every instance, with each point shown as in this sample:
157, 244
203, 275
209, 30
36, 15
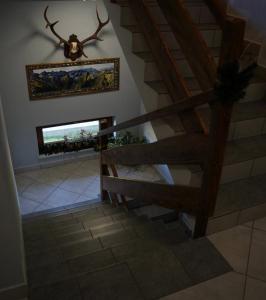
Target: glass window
71, 131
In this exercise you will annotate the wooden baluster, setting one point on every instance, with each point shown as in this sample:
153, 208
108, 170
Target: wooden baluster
115, 174
113, 196
103, 169
232, 47
103, 141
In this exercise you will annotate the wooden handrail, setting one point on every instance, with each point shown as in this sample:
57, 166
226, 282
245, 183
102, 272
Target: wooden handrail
200, 201
165, 62
174, 150
191, 42
184, 105
171, 196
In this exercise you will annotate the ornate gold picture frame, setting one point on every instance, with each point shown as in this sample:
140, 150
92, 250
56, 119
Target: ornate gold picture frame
46, 81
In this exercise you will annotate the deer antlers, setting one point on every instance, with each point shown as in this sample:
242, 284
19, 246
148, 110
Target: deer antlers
100, 27
74, 44
51, 26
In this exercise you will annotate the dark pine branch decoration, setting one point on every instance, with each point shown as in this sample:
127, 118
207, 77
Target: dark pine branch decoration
232, 83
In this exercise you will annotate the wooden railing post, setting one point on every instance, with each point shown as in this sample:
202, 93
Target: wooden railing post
103, 170
122, 197
232, 47
218, 9
103, 141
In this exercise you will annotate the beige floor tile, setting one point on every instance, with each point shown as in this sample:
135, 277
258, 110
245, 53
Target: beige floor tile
27, 206
38, 191
75, 184
53, 176
23, 182
68, 167
85, 170
233, 244
67, 184
226, 287
257, 260
255, 289
83, 198
260, 224
61, 198
44, 206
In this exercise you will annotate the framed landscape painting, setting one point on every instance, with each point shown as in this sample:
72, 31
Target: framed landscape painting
48, 81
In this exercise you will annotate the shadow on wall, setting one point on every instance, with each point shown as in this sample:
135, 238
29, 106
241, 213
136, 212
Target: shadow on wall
254, 12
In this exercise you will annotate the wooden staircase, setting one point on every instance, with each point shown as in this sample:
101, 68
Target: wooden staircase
185, 74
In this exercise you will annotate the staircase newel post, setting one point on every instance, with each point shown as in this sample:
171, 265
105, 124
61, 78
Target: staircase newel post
103, 141
232, 47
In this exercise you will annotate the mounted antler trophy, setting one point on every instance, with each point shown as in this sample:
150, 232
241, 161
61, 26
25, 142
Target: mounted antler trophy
73, 48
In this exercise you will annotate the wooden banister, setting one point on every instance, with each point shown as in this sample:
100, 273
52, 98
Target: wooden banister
170, 74
233, 40
191, 42
174, 150
218, 9
170, 196
184, 105
191, 148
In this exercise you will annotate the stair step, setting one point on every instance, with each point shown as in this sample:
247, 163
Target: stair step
156, 212
239, 202
245, 149
139, 43
177, 54
134, 28
248, 118
155, 3
199, 12
210, 32
104, 230
244, 158
160, 87
142, 247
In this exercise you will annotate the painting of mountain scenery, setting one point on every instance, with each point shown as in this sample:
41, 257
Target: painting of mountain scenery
75, 78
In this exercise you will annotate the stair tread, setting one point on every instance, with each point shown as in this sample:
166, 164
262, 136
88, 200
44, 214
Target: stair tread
153, 3
177, 54
160, 88
167, 28
242, 111
245, 149
240, 195
249, 110
142, 247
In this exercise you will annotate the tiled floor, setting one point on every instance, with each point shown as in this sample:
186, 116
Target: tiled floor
68, 184
244, 247
100, 253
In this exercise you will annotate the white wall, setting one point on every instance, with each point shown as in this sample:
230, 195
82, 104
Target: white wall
254, 13
11, 249
254, 10
26, 41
